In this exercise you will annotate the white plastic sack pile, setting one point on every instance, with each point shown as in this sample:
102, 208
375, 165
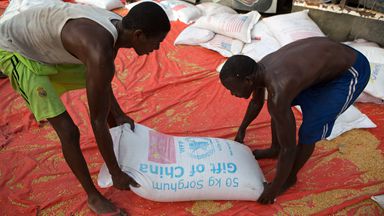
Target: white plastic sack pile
17, 6
194, 36
375, 56
210, 8
171, 168
237, 26
263, 42
182, 11
224, 45
291, 27
167, 9
105, 4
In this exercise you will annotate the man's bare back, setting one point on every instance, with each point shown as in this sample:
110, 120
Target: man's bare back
305, 63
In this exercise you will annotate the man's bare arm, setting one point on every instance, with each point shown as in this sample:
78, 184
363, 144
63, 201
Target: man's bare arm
285, 125
254, 108
118, 114
94, 47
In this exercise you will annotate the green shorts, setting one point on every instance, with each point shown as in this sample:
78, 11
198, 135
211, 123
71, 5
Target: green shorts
40, 84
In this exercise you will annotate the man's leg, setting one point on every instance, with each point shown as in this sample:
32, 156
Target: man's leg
303, 153
69, 136
271, 152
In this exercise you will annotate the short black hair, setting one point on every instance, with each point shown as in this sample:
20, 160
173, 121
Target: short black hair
239, 66
148, 17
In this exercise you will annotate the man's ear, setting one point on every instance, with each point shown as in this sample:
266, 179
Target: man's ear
138, 34
249, 80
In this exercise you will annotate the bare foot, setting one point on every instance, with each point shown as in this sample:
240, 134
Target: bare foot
101, 206
288, 183
266, 153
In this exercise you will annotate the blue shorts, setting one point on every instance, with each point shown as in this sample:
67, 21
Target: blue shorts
323, 103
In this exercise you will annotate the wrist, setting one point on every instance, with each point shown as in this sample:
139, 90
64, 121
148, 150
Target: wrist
115, 171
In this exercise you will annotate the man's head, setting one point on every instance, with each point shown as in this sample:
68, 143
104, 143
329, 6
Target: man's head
237, 75
149, 25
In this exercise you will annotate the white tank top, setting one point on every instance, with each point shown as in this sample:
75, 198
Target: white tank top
36, 32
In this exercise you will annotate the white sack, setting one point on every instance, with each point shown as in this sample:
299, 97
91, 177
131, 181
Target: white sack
194, 36
224, 45
16, 6
171, 168
182, 11
367, 98
290, 27
210, 8
350, 119
167, 9
375, 56
105, 4
237, 26
263, 42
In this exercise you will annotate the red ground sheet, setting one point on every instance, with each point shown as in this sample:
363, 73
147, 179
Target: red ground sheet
177, 91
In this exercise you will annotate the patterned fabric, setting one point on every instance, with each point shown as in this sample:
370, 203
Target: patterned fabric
177, 91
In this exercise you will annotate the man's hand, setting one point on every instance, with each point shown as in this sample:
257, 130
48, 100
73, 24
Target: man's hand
122, 181
240, 136
122, 119
269, 194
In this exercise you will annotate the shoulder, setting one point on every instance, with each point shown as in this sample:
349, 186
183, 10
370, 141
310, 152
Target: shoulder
84, 29
84, 37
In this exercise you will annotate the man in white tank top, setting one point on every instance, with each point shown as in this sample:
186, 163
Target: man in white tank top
47, 47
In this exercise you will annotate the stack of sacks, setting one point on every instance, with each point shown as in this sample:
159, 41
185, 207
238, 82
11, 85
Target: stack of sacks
176, 10
234, 33
105, 4
225, 31
171, 168
374, 92
291, 27
182, 11
17, 6
269, 34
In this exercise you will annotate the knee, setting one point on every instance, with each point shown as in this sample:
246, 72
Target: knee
70, 135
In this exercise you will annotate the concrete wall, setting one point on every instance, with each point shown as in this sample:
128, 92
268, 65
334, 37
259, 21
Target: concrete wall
345, 27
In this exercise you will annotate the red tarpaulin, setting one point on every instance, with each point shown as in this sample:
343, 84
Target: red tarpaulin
176, 90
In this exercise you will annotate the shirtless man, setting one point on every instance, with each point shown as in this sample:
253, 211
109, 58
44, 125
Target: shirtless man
322, 76
50, 49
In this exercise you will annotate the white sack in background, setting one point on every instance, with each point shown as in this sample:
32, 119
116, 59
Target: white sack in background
16, 6
367, 98
375, 56
379, 199
263, 42
361, 42
218, 68
290, 27
237, 26
171, 168
350, 119
166, 8
210, 8
224, 45
182, 11
105, 4
194, 36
